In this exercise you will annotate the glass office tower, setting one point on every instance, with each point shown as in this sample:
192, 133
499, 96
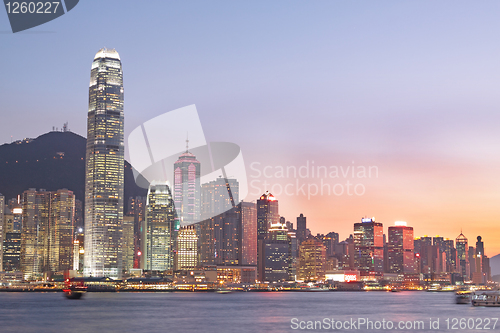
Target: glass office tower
104, 170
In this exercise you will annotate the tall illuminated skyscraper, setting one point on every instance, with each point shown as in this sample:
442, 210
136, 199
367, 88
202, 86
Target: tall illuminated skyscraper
400, 249
104, 170
62, 214
463, 265
187, 194
368, 246
158, 240
267, 215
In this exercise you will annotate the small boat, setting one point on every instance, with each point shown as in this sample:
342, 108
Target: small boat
485, 298
463, 297
74, 289
223, 290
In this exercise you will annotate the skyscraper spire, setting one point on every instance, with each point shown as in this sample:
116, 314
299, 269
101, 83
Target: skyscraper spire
187, 142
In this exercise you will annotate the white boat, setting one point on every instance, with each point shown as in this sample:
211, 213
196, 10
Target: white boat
463, 297
485, 298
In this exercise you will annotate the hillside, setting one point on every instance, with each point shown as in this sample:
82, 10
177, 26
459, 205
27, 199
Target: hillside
52, 161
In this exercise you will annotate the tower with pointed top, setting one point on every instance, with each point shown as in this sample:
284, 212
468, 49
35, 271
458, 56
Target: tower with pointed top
104, 169
187, 189
463, 265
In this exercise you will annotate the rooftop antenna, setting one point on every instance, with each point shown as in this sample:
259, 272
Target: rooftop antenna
187, 142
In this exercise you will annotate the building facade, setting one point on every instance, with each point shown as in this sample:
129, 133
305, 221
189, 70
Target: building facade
400, 249
187, 194
104, 169
159, 233
267, 214
368, 246
187, 248
312, 260
462, 247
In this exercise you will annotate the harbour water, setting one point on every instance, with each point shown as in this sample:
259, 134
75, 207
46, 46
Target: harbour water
239, 312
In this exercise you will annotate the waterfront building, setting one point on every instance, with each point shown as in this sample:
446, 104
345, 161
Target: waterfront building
425, 250
400, 249
267, 214
47, 233
137, 209
104, 169
159, 232
277, 254
34, 236
247, 220
230, 238
61, 231
463, 256
128, 243
368, 246
312, 260
11, 251
187, 248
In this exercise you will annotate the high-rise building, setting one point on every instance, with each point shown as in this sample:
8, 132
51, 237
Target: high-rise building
472, 262
128, 245
187, 195
12, 251
137, 209
159, 233
62, 213
267, 214
47, 233
104, 169
187, 248
301, 228
248, 237
277, 254
312, 260
463, 256
368, 246
400, 249
424, 250
218, 196
12, 240
35, 234
481, 270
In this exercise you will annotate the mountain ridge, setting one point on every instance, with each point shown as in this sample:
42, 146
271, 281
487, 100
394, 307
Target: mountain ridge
52, 161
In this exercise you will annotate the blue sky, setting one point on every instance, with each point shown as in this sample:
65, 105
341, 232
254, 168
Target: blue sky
411, 87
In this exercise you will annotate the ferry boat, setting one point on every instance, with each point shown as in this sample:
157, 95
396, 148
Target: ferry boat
463, 297
74, 289
485, 298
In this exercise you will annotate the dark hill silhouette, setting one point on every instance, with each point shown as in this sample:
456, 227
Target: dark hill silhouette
52, 161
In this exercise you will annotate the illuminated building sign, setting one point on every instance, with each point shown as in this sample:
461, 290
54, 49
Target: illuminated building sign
350, 277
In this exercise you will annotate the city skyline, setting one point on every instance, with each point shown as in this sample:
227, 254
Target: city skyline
418, 102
